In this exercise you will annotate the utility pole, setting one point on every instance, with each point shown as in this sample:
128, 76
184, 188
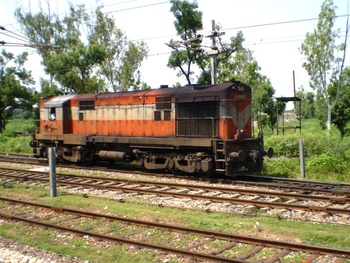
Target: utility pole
213, 57
214, 53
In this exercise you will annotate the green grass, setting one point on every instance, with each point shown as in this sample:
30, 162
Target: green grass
310, 233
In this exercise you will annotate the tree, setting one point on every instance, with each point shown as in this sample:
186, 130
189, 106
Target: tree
83, 62
322, 65
120, 68
189, 51
307, 105
188, 22
15, 80
341, 111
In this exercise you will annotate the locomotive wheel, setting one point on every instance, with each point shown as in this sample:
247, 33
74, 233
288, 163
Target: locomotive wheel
88, 156
43, 152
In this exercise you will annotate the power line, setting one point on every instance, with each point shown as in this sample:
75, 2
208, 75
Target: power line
16, 36
245, 27
252, 43
279, 23
137, 7
230, 28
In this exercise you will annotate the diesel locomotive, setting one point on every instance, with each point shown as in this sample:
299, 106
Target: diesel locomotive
192, 129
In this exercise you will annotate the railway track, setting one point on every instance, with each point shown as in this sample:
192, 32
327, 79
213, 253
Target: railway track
284, 184
233, 199
196, 244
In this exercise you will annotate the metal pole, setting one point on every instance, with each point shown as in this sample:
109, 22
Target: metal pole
302, 158
52, 167
213, 57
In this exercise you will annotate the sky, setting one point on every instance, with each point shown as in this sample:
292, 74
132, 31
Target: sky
273, 30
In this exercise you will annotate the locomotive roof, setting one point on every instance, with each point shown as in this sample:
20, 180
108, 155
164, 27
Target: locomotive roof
185, 93
196, 92
57, 101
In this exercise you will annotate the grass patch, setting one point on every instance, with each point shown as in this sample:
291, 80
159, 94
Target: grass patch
72, 245
317, 234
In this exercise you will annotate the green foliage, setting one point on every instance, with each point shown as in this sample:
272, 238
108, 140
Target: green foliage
327, 155
316, 141
281, 167
324, 68
15, 144
16, 137
341, 110
307, 104
15, 90
189, 51
80, 63
284, 145
327, 162
188, 22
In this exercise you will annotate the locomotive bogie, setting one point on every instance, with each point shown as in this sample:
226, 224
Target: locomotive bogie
191, 129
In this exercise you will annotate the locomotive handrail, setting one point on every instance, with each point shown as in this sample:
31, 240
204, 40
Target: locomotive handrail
212, 126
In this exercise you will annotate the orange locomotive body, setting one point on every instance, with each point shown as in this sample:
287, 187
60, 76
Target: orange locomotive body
193, 129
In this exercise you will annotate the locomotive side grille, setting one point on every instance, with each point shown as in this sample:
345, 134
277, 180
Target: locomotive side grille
197, 119
163, 102
87, 105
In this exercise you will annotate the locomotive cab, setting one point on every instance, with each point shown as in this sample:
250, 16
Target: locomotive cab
55, 116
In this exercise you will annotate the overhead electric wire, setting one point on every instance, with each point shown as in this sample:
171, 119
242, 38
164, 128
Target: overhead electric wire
4, 43
251, 43
28, 41
16, 36
121, 10
137, 7
226, 29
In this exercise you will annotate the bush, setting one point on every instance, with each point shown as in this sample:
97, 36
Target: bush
327, 154
18, 144
287, 146
282, 167
314, 145
325, 163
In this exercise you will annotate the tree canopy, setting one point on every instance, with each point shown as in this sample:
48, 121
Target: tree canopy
188, 53
322, 64
341, 111
15, 86
84, 52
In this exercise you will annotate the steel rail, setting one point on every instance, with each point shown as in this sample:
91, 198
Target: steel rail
331, 199
343, 253
263, 181
257, 203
